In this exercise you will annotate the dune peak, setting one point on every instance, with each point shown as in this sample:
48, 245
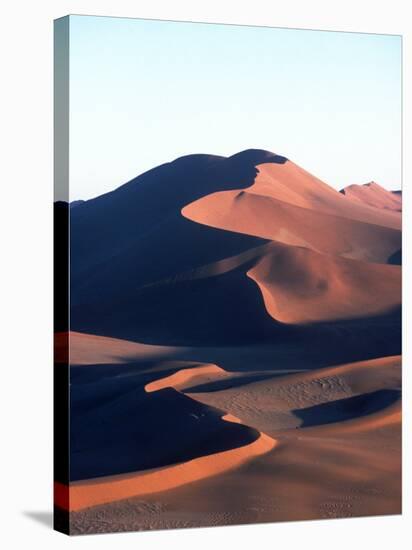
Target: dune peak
258, 156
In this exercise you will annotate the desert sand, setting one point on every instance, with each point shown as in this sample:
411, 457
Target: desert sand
375, 195
234, 348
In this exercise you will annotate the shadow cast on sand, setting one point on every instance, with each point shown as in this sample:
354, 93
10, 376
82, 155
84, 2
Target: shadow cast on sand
348, 408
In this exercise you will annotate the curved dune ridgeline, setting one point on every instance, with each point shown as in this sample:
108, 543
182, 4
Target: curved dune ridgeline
290, 184
271, 218
300, 286
174, 243
105, 489
186, 377
289, 205
295, 393
235, 348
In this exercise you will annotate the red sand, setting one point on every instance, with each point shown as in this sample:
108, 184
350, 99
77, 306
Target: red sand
374, 195
329, 437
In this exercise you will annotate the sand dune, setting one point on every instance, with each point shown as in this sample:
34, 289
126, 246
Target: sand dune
187, 377
237, 204
292, 185
374, 195
226, 307
234, 348
284, 222
336, 468
92, 493
302, 286
272, 403
289, 205
86, 349
175, 428
104, 489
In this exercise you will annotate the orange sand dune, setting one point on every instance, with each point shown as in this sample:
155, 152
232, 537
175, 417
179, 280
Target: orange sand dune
87, 349
301, 286
289, 184
84, 494
268, 210
338, 470
350, 475
186, 377
374, 195
294, 225
101, 490
359, 377
271, 404
314, 435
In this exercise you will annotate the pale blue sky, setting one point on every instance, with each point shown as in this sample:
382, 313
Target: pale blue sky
146, 92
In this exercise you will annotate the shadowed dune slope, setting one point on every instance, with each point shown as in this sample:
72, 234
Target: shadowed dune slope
347, 409
108, 225
234, 348
137, 262
346, 468
249, 298
87, 349
168, 428
86, 494
180, 440
285, 402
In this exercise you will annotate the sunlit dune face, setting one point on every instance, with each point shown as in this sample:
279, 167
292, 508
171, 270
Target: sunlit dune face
290, 206
294, 186
89, 349
84, 494
300, 286
374, 195
279, 396
187, 377
94, 492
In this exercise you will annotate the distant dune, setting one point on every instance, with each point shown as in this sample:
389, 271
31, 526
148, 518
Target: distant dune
374, 195
88, 348
235, 348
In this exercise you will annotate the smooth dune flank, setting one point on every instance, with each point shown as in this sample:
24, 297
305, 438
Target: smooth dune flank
87, 494
288, 205
182, 378
88, 348
292, 185
235, 348
301, 286
374, 195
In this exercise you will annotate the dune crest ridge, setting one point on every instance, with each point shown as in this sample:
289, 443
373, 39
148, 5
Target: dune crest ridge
103, 490
235, 353
302, 286
84, 494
